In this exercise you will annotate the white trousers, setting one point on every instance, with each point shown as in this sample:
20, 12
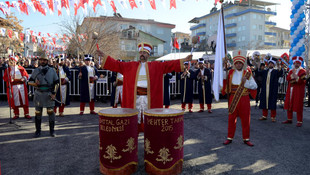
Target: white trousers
141, 105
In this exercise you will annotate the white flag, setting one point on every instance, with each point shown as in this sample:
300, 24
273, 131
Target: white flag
141, 3
16, 35
2, 31
219, 55
30, 5
163, 2
16, 6
123, 4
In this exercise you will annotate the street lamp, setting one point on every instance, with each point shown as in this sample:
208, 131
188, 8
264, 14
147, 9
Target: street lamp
25, 47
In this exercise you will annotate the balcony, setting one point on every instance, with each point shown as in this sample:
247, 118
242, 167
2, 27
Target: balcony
270, 23
231, 35
231, 44
231, 25
251, 10
198, 26
270, 34
201, 33
269, 44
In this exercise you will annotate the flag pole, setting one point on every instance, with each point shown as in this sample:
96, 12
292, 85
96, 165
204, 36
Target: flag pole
222, 11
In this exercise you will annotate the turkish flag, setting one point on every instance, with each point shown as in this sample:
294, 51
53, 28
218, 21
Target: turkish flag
21, 36
173, 4
153, 5
95, 3
176, 44
133, 4
10, 32
216, 1
23, 7
113, 5
54, 40
44, 40
50, 4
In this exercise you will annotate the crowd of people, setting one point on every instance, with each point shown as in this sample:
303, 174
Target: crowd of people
268, 74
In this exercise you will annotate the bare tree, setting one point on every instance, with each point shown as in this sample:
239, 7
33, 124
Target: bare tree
10, 22
82, 29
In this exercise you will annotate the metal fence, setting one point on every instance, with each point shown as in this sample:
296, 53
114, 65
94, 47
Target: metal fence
104, 85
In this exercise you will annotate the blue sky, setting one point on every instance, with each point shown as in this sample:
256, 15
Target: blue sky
185, 11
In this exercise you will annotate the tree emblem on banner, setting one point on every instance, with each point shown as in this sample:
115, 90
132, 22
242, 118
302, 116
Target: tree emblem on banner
164, 156
179, 143
130, 145
111, 153
147, 147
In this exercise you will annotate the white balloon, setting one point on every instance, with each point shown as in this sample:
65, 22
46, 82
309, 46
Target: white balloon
299, 44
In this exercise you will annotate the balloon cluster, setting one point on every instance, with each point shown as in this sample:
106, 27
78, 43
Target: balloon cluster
298, 28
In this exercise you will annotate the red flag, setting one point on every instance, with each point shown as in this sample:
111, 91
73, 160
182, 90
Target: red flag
65, 4
23, 7
63, 39
39, 34
50, 4
76, 7
113, 5
54, 40
153, 5
33, 38
133, 4
8, 3
31, 32
44, 40
216, 1
10, 33
95, 3
48, 35
176, 44
21, 37
173, 4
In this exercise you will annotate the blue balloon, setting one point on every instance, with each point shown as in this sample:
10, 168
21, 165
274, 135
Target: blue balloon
295, 40
294, 11
301, 2
302, 15
293, 45
292, 16
298, 53
299, 19
299, 36
297, 6
302, 49
302, 32
293, 28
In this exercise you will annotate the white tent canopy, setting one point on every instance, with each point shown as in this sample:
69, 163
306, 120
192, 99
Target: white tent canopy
174, 56
196, 55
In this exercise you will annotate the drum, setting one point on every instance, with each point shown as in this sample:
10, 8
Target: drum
163, 141
118, 141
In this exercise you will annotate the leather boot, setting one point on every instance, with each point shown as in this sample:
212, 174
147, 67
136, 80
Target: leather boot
38, 127
52, 131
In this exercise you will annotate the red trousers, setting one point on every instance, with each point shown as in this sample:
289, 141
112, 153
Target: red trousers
16, 108
61, 108
202, 106
91, 106
299, 116
244, 112
190, 106
273, 113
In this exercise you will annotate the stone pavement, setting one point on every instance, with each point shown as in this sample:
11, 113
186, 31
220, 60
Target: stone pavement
279, 149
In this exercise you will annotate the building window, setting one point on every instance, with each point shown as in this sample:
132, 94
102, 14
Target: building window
239, 18
243, 38
254, 37
254, 16
243, 27
260, 37
254, 26
243, 18
260, 27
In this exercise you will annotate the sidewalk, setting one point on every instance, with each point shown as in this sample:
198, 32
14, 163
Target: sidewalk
279, 149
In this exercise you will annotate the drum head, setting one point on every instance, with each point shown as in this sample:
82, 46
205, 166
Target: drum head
118, 112
164, 112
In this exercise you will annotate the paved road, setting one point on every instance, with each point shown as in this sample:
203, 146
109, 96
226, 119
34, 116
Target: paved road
279, 149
